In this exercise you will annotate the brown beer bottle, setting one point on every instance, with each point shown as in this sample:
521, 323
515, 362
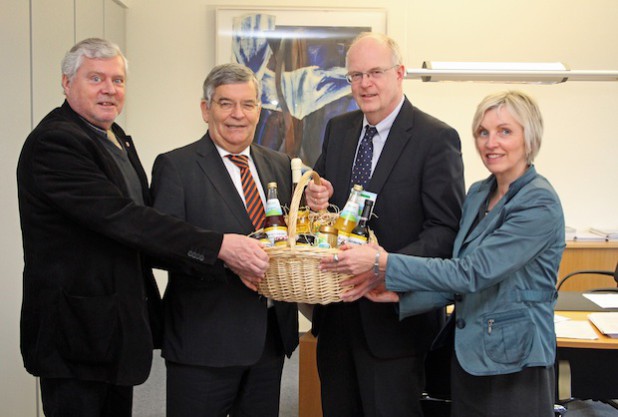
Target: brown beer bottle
360, 234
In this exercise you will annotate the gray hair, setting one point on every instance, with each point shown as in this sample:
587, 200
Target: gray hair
523, 108
232, 73
382, 38
93, 48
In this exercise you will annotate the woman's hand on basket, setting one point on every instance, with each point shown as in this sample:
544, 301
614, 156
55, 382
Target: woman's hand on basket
381, 295
359, 261
245, 256
317, 196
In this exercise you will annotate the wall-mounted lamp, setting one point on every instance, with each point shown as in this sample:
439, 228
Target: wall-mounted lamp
506, 72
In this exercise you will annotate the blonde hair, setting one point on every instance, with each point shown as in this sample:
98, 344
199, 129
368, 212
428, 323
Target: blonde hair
524, 110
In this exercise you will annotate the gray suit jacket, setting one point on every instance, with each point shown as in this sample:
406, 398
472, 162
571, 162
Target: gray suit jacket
213, 323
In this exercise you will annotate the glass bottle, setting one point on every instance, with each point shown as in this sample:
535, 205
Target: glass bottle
302, 221
327, 237
360, 234
275, 226
349, 215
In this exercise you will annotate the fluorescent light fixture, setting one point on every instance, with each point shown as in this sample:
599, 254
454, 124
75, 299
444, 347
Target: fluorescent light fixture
506, 72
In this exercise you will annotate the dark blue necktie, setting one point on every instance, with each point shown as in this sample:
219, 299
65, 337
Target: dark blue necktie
361, 173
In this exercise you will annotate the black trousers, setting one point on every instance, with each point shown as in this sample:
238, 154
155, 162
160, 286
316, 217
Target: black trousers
529, 393
240, 391
354, 383
75, 398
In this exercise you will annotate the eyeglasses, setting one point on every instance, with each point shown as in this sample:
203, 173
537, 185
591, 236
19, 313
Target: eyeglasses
376, 74
229, 105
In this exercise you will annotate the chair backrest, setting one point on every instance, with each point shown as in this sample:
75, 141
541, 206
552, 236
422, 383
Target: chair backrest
589, 272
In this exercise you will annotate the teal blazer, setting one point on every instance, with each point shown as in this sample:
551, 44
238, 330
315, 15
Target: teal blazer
502, 278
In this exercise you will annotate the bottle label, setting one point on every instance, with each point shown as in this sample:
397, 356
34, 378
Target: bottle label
356, 240
326, 240
278, 235
302, 222
350, 212
273, 208
342, 237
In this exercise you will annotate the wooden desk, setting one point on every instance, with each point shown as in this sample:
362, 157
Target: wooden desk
588, 255
309, 397
603, 342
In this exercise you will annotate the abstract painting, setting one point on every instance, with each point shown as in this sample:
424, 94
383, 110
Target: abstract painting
299, 57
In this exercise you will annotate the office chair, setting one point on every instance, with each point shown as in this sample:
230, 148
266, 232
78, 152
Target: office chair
613, 274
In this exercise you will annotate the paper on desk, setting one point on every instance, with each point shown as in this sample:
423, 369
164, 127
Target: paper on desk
575, 329
603, 300
607, 323
558, 318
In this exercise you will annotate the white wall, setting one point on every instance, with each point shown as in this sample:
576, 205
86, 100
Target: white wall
35, 34
17, 389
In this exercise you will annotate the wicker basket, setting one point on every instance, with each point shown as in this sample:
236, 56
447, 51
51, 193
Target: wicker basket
293, 273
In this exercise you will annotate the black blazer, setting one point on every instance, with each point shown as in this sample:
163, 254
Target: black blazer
87, 290
210, 323
420, 186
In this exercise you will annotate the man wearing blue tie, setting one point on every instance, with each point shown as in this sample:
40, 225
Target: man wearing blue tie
370, 363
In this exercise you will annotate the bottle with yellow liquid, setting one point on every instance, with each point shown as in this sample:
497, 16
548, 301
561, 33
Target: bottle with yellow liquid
302, 221
275, 226
348, 218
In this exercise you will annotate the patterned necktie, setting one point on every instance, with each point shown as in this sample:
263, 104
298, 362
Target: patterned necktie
255, 208
362, 166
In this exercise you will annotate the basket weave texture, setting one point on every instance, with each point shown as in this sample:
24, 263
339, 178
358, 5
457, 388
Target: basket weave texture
293, 273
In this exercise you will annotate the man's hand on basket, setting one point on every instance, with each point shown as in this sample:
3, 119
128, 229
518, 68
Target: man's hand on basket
246, 257
361, 262
317, 196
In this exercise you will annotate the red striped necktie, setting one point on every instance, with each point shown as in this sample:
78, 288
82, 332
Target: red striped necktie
255, 208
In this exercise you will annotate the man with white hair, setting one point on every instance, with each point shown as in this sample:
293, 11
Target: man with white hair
90, 302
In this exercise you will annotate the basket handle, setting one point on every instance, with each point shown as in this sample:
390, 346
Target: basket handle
295, 203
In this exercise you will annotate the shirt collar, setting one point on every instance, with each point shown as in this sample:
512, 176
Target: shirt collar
98, 130
223, 153
385, 125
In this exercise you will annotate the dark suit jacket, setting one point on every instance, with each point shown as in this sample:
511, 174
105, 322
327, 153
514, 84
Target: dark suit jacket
86, 287
211, 323
420, 186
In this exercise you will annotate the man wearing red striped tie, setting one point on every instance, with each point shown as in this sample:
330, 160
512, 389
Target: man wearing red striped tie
224, 344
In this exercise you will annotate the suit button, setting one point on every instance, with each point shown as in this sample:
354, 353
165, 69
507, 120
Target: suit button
460, 323
458, 297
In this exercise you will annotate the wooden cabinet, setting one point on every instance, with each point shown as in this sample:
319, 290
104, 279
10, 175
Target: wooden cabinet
588, 255
577, 256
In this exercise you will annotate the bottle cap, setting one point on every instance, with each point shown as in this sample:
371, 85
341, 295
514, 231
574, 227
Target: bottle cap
272, 185
328, 229
296, 163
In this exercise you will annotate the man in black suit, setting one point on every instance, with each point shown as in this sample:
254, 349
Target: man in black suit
224, 344
369, 362
89, 295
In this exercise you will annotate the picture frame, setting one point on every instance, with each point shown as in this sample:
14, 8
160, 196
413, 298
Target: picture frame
298, 55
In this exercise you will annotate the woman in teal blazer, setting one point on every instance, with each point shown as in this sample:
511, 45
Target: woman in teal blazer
501, 278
